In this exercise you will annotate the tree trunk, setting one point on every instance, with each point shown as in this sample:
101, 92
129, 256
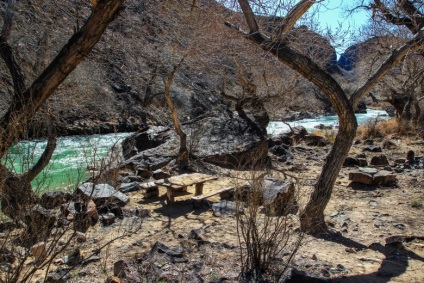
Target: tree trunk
182, 158
312, 218
23, 108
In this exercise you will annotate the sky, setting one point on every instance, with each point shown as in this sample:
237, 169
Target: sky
333, 14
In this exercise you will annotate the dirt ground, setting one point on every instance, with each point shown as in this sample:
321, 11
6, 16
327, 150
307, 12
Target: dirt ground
360, 219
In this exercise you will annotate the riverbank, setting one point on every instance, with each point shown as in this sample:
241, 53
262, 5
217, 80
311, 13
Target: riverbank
362, 219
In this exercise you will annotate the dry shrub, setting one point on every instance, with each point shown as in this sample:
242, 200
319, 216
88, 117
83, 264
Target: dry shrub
375, 128
328, 135
268, 242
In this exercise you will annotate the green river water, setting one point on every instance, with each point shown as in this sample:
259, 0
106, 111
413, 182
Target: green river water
68, 166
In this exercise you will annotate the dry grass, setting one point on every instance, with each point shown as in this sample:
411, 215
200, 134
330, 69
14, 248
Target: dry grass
328, 135
378, 129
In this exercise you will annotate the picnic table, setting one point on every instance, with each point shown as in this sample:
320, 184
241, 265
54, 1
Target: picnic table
180, 183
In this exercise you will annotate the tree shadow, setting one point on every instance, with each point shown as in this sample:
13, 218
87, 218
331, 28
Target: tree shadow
362, 187
394, 264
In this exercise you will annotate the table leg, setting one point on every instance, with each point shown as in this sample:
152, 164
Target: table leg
199, 189
184, 189
170, 195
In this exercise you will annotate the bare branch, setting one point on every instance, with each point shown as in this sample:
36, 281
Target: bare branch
44, 159
393, 59
408, 7
250, 17
292, 17
391, 18
7, 55
73, 53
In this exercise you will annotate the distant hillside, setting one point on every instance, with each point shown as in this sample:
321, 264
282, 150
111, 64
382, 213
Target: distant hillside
124, 76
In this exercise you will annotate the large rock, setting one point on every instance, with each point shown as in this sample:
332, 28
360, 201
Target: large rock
371, 176
279, 197
360, 177
297, 133
142, 141
384, 178
351, 161
372, 148
102, 194
379, 160
313, 140
217, 138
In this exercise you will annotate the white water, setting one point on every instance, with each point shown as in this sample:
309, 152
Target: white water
276, 127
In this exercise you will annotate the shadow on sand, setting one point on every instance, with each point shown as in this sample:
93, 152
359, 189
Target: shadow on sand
394, 264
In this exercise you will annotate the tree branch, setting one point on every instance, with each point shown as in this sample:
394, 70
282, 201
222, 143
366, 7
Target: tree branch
6, 54
6, 51
405, 21
393, 59
408, 7
73, 53
292, 17
44, 159
250, 17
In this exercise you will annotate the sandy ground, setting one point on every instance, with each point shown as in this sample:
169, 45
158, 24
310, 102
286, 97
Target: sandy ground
360, 219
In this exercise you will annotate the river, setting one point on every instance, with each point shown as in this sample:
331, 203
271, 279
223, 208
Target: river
68, 166
276, 127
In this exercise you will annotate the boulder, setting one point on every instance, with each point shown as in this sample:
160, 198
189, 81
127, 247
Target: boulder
150, 189
297, 133
389, 144
323, 127
281, 139
379, 160
146, 174
108, 218
360, 177
102, 194
120, 269
410, 157
372, 148
279, 197
371, 176
361, 107
351, 161
142, 141
216, 138
129, 187
368, 170
225, 208
159, 174
281, 151
384, 178
60, 275
312, 140
162, 248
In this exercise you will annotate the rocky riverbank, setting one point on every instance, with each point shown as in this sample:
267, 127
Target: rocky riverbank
377, 226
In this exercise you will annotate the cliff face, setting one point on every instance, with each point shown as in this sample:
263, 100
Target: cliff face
124, 77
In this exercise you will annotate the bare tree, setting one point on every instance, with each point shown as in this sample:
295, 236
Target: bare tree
27, 100
182, 158
312, 218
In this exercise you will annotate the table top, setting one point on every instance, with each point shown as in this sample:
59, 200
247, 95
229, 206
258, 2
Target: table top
183, 180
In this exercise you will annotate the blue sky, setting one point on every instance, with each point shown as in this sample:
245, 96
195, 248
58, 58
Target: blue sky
332, 14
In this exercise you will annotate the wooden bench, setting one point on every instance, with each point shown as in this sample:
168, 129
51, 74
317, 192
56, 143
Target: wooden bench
180, 183
197, 199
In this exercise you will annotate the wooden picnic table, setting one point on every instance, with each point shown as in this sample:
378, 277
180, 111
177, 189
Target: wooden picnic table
180, 183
